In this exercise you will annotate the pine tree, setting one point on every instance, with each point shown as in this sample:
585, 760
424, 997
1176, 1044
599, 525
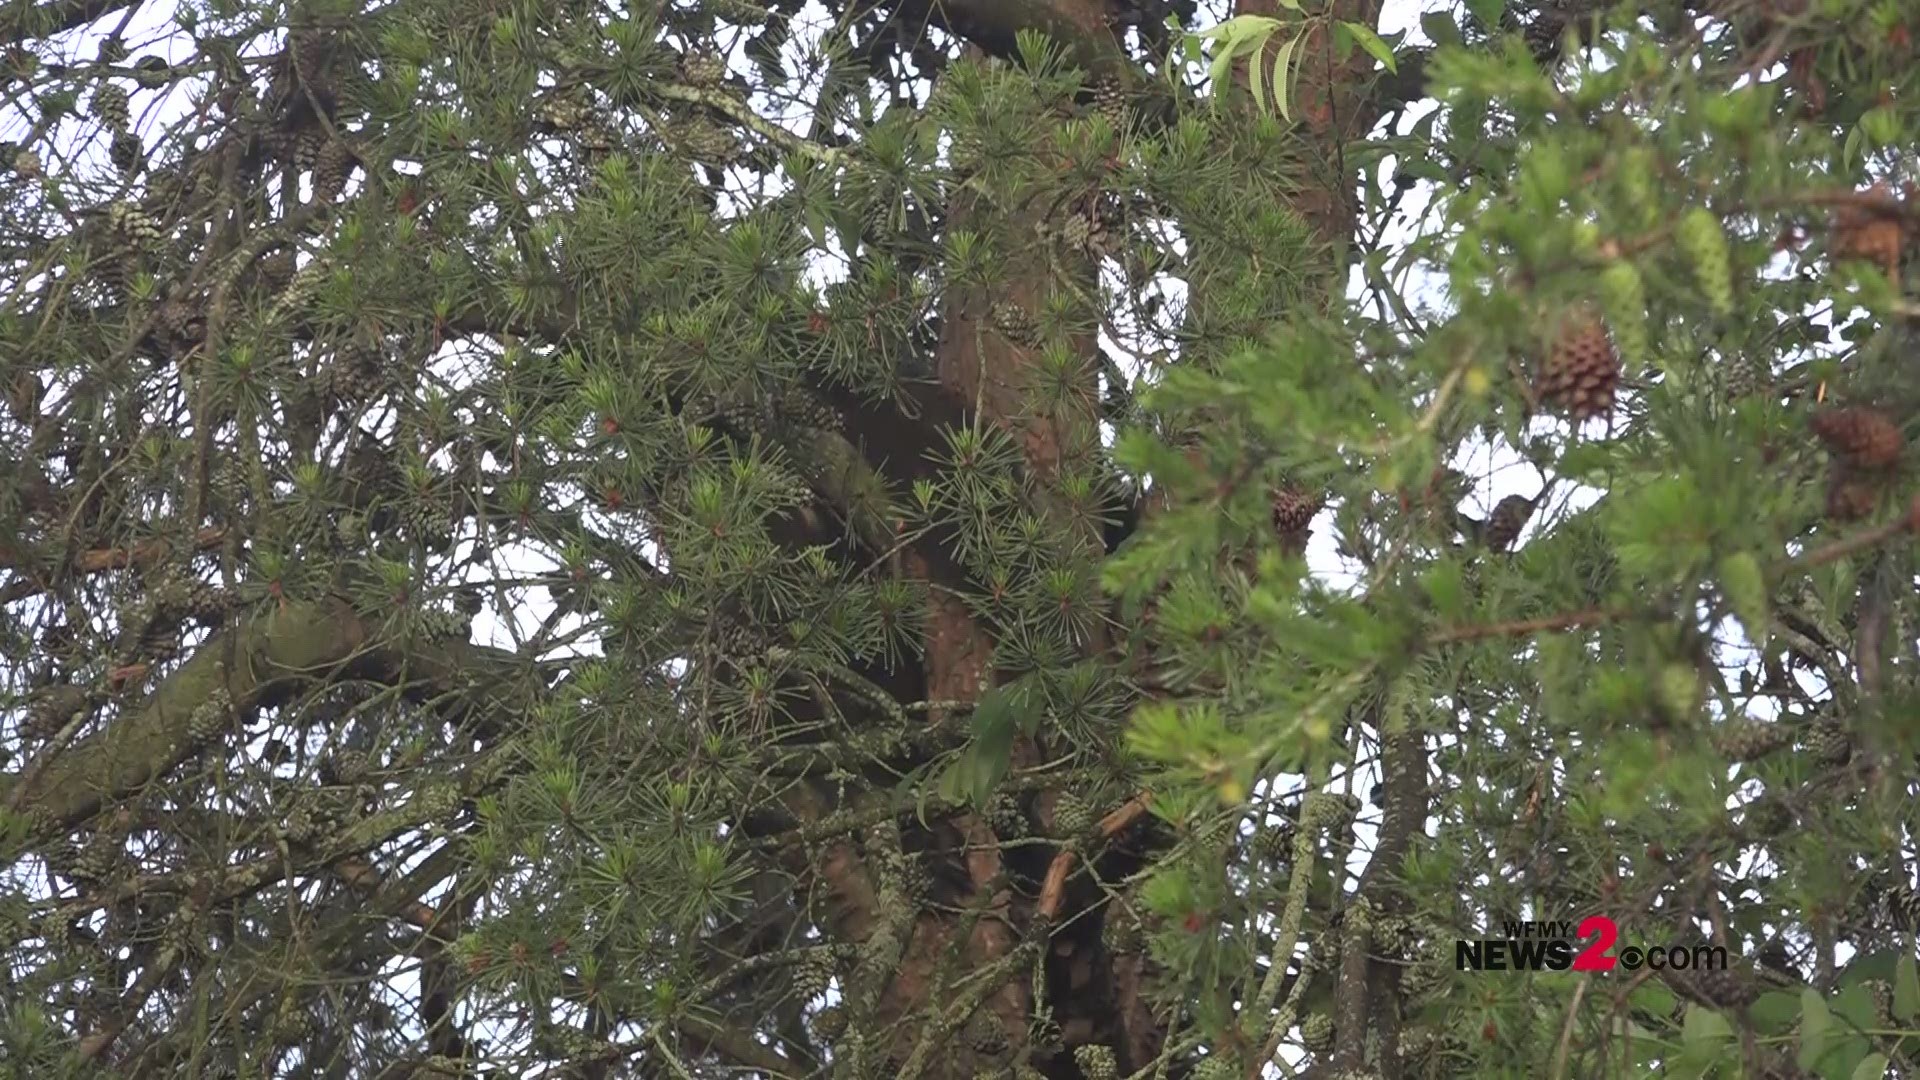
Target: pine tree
517, 558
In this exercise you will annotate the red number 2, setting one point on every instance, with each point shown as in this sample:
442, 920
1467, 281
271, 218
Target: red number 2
1595, 957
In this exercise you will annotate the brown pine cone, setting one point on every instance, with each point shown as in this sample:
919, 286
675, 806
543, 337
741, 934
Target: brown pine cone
332, 166
1509, 517
127, 153
1582, 369
1865, 437
1293, 512
306, 149
1850, 496
1867, 233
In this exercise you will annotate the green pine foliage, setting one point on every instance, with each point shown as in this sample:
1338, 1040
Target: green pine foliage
544, 540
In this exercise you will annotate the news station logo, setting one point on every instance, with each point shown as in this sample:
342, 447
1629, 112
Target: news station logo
1551, 946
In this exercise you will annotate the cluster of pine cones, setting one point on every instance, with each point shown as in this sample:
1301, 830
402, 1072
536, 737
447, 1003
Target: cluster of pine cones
1866, 445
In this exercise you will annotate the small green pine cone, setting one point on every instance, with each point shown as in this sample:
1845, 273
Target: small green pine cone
1110, 100
1324, 810
1768, 816
1077, 231
830, 1023
1749, 740
1014, 324
595, 136
1215, 1067
812, 973
563, 113
1623, 298
110, 106
1391, 935
1316, 1033
439, 802
1637, 171
209, 719
915, 883
444, 624
350, 766
1006, 817
1742, 376
97, 861
138, 227
206, 602
1704, 243
703, 66
1273, 841
984, 1032
1073, 815
1828, 743
300, 826
1425, 979
709, 143
1416, 1046
1096, 1062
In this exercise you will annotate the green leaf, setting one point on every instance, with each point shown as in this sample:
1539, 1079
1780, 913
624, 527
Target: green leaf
1814, 1022
1217, 73
1774, 1012
1856, 1005
1906, 988
1000, 713
1440, 28
1257, 78
1371, 42
1872, 1067
1280, 65
1487, 11
1654, 999
1704, 1027
1239, 28
1745, 586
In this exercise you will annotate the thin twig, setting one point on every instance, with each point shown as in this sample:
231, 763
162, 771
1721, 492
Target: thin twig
1561, 1051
